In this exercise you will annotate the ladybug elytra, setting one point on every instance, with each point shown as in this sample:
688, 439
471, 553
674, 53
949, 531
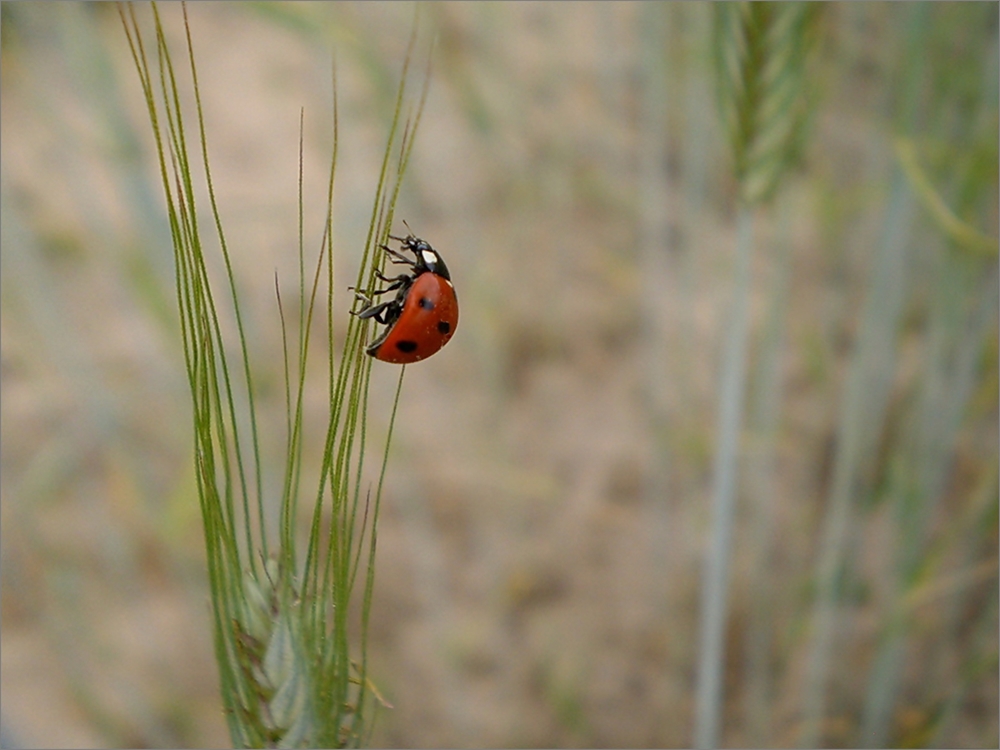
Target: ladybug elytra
423, 315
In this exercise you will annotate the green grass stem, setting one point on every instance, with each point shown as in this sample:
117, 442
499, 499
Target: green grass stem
762, 54
711, 655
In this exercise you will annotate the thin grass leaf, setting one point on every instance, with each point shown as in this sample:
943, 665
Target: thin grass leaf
965, 236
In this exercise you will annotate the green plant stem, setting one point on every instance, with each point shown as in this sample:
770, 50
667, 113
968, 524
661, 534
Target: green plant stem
865, 399
923, 468
763, 421
729, 428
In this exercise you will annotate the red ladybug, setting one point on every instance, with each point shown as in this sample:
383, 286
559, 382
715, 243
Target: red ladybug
423, 315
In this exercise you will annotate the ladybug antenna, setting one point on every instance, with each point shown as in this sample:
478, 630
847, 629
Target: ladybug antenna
404, 239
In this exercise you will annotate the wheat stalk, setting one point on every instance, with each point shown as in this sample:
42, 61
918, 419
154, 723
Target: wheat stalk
761, 51
281, 628
763, 55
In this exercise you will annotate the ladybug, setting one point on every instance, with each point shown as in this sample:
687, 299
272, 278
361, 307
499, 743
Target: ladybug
423, 315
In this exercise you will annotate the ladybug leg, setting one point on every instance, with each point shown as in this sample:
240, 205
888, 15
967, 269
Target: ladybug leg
395, 281
401, 282
384, 312
378, 312
397, 257
369, 303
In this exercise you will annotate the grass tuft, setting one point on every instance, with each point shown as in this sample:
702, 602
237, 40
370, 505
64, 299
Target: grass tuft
285, 627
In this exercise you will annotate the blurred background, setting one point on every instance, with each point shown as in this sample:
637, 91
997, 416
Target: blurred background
548, 494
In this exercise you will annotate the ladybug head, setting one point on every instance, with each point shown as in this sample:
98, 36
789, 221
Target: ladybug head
428, 258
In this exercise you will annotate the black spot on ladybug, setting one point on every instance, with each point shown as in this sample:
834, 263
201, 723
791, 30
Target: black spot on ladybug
443, 326
426, 303
406, 346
